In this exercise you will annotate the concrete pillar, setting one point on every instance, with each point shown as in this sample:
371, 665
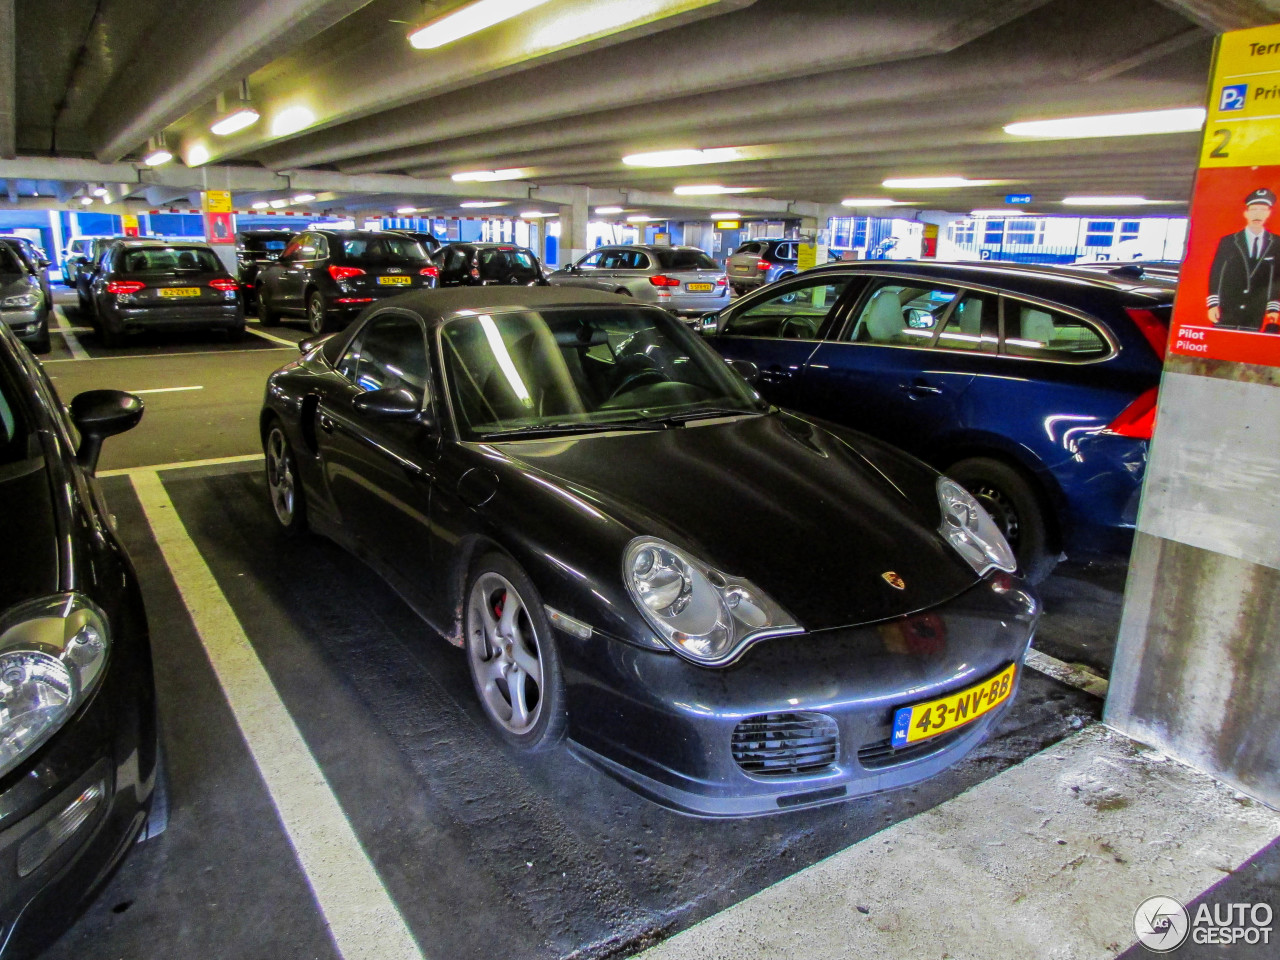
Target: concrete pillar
1197, 666
573, 227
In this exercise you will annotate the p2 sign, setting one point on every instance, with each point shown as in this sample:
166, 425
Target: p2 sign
1233, 97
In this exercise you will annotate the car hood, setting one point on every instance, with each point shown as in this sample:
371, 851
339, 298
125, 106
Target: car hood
790, 506
12, 285
29, 532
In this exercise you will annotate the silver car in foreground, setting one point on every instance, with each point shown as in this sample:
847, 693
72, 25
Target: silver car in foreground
683, 280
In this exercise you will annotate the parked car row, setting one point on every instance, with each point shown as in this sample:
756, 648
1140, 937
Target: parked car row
25, 303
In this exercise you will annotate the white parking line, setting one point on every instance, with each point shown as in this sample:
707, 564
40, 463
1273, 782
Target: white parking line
270, 336
73, 342
179, 465
157, 356
165, 390
362, 919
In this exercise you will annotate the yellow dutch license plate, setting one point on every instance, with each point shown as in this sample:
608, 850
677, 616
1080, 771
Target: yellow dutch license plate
180, 292
698, 287
395, 281
924, 720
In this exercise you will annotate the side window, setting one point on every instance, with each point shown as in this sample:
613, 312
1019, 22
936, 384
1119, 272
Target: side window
290, 251
321, 246
785, 251
390, 352
797, 312
613, 260
901, 313
1044, 334
592, 262
971, 325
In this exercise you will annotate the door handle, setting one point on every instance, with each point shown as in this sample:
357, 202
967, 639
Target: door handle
920, 388
775, 374
326, 423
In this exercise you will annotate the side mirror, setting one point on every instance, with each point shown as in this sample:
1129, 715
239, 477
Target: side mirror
99, 414
391, 403
747, 370
707, 324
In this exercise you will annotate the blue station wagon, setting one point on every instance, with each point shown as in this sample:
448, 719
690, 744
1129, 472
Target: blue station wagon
1034, 387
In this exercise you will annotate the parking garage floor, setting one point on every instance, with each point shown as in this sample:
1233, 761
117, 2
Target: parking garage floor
336, 791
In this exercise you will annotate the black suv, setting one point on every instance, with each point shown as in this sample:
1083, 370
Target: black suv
484, 264
254, 250
329, 276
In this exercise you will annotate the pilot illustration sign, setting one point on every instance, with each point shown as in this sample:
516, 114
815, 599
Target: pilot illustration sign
1228, 302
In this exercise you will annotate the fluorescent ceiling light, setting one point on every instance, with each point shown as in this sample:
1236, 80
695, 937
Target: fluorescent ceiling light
641, 218
197, 155
476, 204
99, 191
489, 176
405, 211
707, 190
536, 215
725, 215
86, 200
291, 120
277, 204
682, 158
470, 19
1105, 201
869, 202
233, 122
1182, 120
304, 198
932, 183
1007, 212
261, 205
157, 157
608, 209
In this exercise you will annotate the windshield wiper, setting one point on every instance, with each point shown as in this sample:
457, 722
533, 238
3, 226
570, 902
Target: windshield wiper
561, 427
704, 413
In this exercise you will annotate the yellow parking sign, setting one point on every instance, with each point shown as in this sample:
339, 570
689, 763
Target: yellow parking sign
1243, 125
217, 201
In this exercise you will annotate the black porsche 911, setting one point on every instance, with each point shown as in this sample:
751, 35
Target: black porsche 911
732, 609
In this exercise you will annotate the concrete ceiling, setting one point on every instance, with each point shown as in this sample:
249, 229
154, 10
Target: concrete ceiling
825, 98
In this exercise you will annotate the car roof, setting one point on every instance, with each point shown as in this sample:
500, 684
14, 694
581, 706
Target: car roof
437, 305
1042, 280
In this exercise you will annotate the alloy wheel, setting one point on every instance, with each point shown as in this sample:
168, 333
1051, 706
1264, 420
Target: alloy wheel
315, 315
280, 477
505, 656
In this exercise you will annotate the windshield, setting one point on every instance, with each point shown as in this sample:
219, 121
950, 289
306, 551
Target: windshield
170, 260
583, 367
686, 260
9, 261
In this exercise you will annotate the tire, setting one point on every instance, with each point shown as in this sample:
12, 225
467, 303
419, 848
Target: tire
111, 337
284, 487
267, 316
1017, 509
235, 333
158, 817
318, 321
507, 643
42, 343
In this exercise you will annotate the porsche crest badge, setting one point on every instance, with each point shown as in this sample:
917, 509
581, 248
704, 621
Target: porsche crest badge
893, 580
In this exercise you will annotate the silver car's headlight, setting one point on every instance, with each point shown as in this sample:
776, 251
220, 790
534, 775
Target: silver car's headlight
52, 654
703, 614
970, 529
23, 300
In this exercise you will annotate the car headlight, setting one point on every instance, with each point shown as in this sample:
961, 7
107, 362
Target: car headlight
23, 300
970, 529
52, 654
703, 614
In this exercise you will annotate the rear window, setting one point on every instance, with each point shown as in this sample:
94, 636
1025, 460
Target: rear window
384, 248
507, 264
265, 244
170, 260
686, 260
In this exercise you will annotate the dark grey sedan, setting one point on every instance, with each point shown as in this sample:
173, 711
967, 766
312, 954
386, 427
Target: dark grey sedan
23, 304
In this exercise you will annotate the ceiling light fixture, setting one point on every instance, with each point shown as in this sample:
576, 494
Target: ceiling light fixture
682, 158
641, 218
99, 191
707, 190
869, 202
1106, 201
489, 176
1007, 212
477, 204
1181, 120
261, 205
470, 19
932, 183
86, 200
157, 152
279, 204
291, 120
609, 209
243, 114
304, 198
725, 215
536, 215
405, 211
197, 155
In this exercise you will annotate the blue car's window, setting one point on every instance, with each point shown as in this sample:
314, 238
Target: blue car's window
1044, 334
971, 325
794, 312
588, 366
902, 314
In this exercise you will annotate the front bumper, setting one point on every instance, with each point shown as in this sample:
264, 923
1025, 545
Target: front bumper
110, 746
666, 728
25, 324
230, 314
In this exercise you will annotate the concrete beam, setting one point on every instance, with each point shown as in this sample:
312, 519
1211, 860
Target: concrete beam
218, 45
1223, 15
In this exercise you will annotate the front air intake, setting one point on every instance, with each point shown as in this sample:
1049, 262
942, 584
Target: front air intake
786, 744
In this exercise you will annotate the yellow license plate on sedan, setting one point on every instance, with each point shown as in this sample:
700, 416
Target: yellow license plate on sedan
395, 281
924, 720
180, 292
698, 287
